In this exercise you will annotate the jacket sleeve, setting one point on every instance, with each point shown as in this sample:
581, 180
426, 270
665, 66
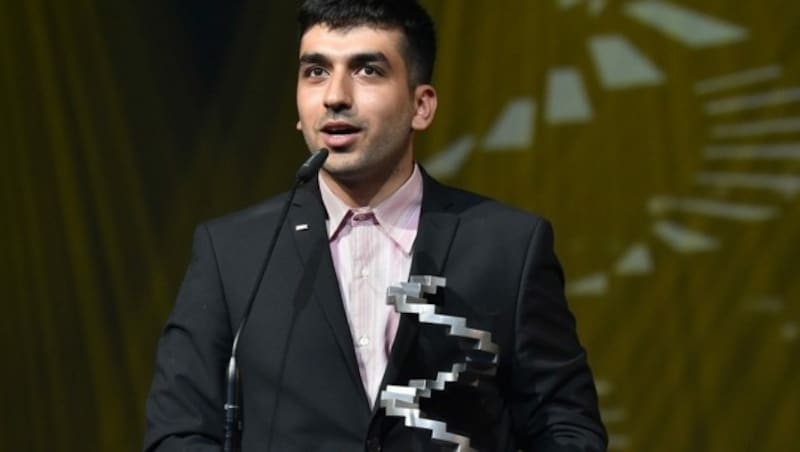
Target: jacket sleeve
554, 404
185, 404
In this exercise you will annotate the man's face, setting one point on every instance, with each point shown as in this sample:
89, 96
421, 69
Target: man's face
353, 97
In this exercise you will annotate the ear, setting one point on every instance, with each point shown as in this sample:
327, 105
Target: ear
298, 126
425, 102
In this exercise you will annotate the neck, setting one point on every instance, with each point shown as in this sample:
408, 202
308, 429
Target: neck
370, 191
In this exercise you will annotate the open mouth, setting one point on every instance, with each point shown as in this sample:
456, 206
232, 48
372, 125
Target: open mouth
337, 135
340, 129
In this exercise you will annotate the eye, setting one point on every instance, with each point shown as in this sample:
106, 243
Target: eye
314, 71
371, 71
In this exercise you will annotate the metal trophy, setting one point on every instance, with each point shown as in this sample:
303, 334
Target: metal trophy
480, 360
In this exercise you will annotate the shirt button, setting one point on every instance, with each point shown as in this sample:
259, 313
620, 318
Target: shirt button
364, 272
363, 341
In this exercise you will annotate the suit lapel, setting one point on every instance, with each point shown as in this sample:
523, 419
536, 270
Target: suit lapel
437, 226
307, 222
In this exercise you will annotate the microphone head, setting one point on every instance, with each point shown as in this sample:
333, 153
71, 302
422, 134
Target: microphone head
311, 166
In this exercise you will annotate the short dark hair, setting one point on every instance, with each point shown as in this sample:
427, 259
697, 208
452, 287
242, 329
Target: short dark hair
407, 15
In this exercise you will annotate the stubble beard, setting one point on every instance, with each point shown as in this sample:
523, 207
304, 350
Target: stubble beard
370, 163
370, 166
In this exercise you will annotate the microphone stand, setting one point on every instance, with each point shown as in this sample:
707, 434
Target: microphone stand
233, 424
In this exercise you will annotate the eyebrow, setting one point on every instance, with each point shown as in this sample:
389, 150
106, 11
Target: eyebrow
357, 59
369, 57
313, 58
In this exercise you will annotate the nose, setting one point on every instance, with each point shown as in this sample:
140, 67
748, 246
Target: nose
338, 96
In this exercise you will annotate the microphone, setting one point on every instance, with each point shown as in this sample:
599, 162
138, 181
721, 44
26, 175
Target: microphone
311, 166
233, 425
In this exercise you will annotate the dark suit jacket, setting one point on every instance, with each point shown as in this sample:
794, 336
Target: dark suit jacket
301, 389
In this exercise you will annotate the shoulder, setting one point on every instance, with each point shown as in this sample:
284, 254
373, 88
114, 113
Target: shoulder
248, 219
472, 207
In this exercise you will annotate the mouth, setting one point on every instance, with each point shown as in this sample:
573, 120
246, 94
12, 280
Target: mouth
339, 134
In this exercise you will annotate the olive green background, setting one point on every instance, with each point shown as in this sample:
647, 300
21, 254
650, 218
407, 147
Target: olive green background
123, 124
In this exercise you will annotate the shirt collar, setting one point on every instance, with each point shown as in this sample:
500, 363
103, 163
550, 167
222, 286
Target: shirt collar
336, 208
397, 215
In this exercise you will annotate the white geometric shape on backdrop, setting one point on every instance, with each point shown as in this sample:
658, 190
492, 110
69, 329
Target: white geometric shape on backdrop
448, 162
567, 4
738, 79
755, 128
620, 65
567, 101
752, 101
788, 186
635, 261
790, 331
513, 129
618, 441
772, 151
684, 240
603, 387
692, 28
596, 7
589, 286
659, 205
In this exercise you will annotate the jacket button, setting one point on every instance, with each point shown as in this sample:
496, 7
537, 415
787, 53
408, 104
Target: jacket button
373, 445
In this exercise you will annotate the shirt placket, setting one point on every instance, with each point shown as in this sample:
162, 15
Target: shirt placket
364, 320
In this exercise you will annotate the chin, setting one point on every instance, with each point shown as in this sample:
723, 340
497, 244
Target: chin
346, 171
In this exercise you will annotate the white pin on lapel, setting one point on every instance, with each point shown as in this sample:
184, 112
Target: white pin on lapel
301, 227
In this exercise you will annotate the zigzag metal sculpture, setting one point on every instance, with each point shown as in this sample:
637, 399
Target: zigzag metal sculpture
481, 359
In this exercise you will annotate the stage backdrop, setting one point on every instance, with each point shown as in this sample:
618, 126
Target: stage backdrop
661, 138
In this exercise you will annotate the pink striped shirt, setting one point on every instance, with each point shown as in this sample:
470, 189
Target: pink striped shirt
371, 250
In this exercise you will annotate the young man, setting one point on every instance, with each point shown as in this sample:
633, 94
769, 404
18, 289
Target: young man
321, 342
